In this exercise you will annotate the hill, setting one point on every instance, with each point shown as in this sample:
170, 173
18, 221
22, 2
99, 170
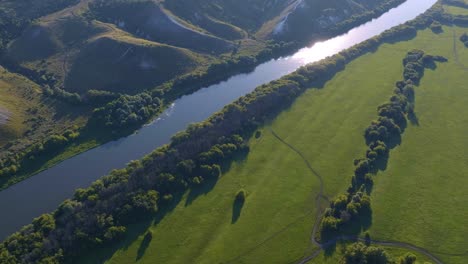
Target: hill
167, 39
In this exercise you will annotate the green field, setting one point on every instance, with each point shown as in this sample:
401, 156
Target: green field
323, 258
276, 222
456, 10
422, 198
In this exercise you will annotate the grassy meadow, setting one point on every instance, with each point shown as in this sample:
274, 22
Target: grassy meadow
456, 10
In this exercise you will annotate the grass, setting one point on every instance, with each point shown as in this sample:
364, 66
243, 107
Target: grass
421, 198
276, 220
455, 10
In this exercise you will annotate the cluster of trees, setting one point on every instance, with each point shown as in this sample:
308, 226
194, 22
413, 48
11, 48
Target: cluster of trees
126, 111
101, 212
464, 39
350, 207
13, 163
359, 253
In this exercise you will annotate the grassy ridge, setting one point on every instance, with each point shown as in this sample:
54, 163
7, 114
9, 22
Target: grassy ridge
419, 198
325, 125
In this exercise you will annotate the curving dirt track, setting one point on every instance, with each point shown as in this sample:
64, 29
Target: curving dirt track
319, 197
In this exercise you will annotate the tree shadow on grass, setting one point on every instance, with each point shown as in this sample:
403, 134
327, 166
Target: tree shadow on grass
437, 30
203, 189
236, 210
144, 245
209, 183
413, 118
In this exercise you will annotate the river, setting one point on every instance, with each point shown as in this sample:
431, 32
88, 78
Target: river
43, 192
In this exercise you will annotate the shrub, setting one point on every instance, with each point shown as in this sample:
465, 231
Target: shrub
436, 26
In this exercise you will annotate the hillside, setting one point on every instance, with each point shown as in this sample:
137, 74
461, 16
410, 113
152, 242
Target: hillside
167, 39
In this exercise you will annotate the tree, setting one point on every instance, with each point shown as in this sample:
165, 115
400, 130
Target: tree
408, 258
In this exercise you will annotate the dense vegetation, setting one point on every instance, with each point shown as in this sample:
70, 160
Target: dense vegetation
126, 111
359, 253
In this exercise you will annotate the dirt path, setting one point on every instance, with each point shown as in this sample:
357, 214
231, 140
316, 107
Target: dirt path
319, 197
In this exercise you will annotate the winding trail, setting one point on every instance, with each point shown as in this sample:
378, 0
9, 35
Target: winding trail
319, 214
319, 196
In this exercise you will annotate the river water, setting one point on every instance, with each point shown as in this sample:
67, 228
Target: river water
43, 192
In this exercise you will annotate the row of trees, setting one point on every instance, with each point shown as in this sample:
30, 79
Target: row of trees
13, 163
380, 136
359, 253
100, 213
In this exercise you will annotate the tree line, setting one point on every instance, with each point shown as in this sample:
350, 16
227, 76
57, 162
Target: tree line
353, 207
360, 253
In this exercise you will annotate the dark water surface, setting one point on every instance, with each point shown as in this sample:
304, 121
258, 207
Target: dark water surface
42, 193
